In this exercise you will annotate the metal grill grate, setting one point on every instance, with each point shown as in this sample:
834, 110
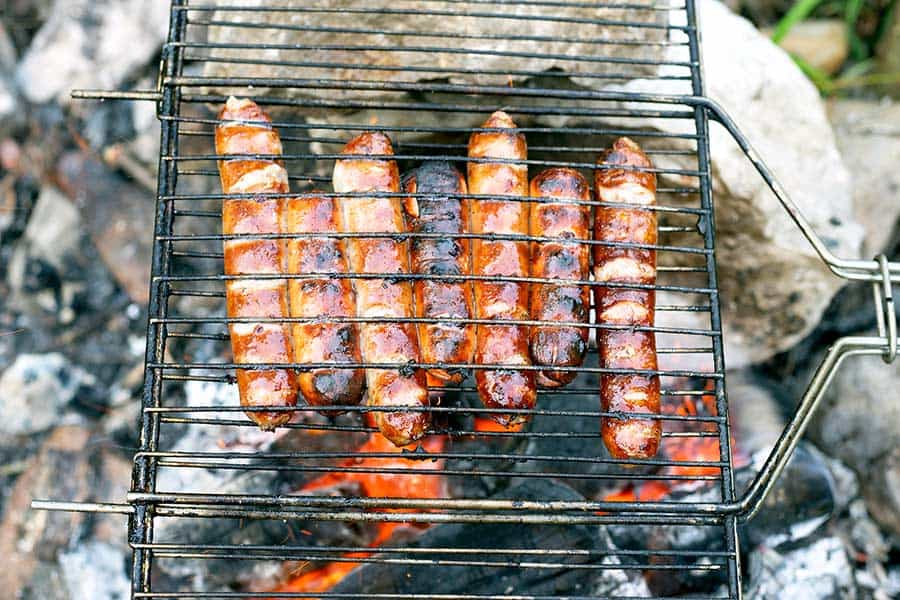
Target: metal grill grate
561, 69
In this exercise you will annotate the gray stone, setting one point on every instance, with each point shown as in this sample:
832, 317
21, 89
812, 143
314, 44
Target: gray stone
819, 571
500, 30
755, 414
774, 288
91, 44
95, 570
35, 390
859, 423
868, 136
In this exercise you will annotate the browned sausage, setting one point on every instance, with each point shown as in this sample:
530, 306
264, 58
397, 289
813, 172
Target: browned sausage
554, 215
382, 298
255, 298
433, 211
322, 341
627, 348
503, 345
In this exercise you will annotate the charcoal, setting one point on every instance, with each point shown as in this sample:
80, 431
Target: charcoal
96, 570
90, 45
35, 392
802, 500
443, 579
819, 571
799, 504
121, 229
32, 539
592, 482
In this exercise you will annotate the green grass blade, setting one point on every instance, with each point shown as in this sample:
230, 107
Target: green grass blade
799, 11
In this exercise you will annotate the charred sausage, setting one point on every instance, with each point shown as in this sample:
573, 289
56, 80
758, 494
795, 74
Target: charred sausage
386, 297
245, 129
433, 211
503, 345
322, 341
555, 215
627, 348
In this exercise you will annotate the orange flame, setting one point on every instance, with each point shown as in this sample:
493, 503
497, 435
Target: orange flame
375, 484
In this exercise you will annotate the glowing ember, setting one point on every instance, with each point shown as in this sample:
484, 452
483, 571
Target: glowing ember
374, 482
490, 425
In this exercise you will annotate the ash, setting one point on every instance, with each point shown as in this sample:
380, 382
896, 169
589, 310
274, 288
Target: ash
77, 205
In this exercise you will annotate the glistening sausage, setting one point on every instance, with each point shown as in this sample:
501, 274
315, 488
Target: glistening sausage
434, 211
387, 297
255, 298
557, 214
505, 346
323, 340
627, 348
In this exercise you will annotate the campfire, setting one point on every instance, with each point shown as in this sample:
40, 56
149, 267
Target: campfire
119, 388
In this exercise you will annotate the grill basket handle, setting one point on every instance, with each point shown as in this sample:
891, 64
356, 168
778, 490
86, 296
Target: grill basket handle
879, 271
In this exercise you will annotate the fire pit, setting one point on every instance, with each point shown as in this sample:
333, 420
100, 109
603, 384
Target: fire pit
324, 508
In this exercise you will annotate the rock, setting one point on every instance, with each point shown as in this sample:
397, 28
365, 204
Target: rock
122, 230
774, 288
820, 571
859, 423
91, 44
868, 137
96, 570
821, 43
32, 539
318, 28
755, 414
35, 390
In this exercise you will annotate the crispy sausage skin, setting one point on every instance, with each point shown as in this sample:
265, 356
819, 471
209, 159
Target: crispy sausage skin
260, 298
382, 298
627, 348
503, 388
434, 212
322, 341
554, 215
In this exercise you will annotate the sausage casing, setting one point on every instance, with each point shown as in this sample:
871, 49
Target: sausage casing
557, 214
627, 348
255, 298
323, 340
378, 298
506, 345
434, 212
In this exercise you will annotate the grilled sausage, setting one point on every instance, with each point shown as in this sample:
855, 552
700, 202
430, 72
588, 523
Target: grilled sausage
434, 212
505, 345
556, 216
627, 348
255, 298
322, 341
382, 298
